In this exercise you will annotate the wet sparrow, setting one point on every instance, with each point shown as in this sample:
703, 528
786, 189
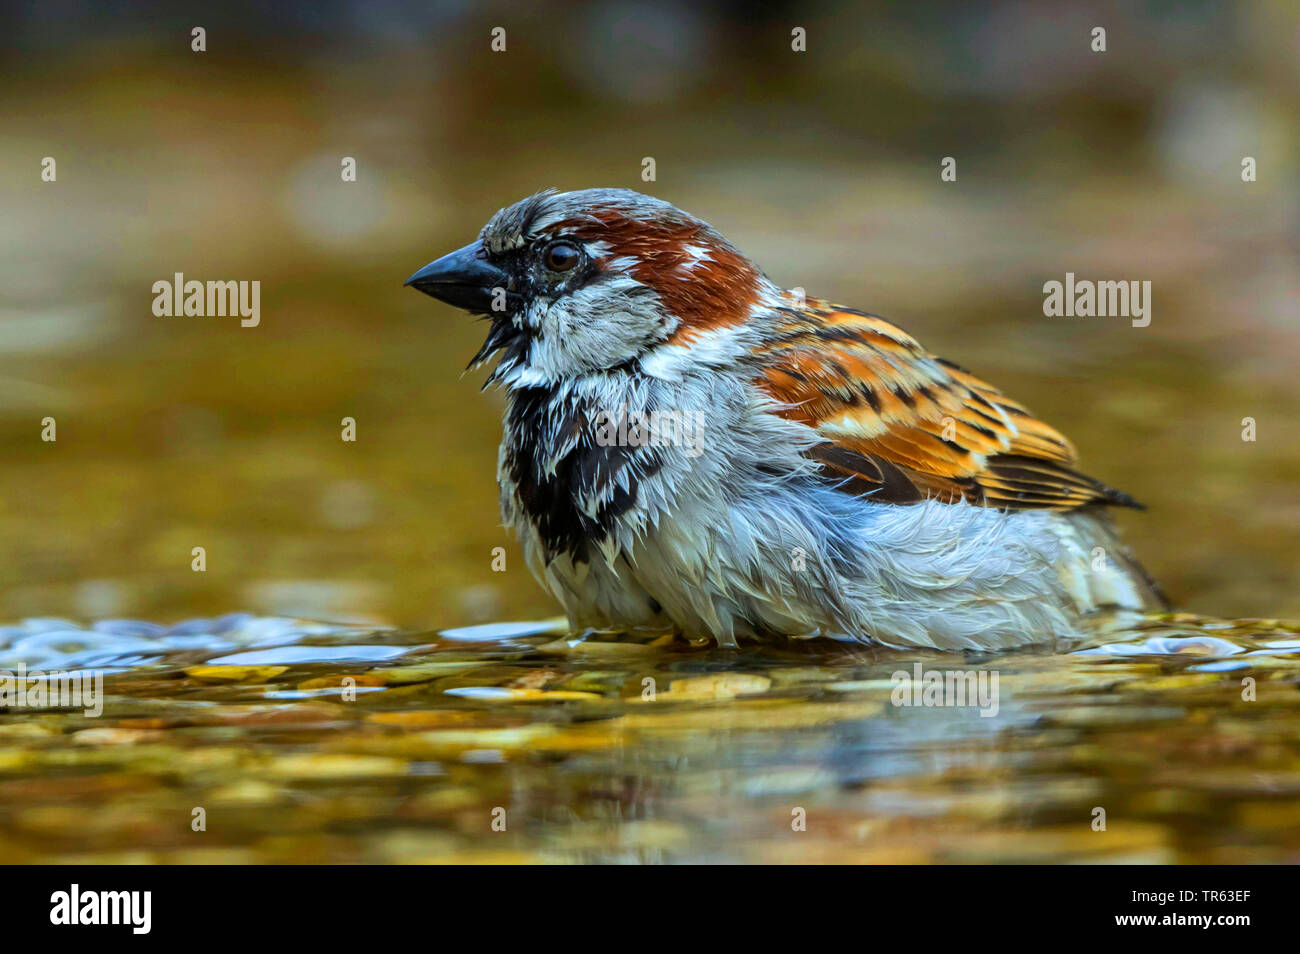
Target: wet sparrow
688, 445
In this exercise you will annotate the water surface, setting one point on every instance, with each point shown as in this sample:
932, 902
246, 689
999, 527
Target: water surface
307, 742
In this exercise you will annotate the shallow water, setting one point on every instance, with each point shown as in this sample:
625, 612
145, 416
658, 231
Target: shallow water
641, 749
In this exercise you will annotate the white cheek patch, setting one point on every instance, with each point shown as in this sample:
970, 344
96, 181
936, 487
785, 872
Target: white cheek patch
599, 326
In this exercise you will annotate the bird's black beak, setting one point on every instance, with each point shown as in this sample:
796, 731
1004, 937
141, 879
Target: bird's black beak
466, 279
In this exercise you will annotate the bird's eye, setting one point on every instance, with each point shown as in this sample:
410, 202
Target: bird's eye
560, 256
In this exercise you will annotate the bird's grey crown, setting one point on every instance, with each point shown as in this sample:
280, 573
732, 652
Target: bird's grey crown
516, 225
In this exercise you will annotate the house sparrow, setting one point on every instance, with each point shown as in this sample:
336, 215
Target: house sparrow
688, 445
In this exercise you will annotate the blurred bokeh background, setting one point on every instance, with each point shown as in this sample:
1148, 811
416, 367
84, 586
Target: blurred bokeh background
823, 165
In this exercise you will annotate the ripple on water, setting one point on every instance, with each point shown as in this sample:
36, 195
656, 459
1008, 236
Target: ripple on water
303, 655
1167, 646
245, 639
496, 631
52, 643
